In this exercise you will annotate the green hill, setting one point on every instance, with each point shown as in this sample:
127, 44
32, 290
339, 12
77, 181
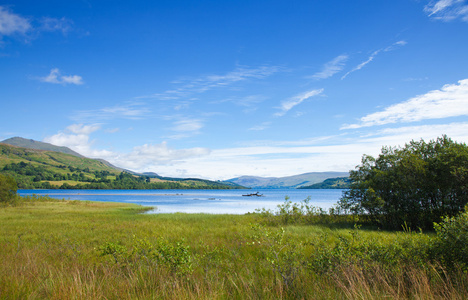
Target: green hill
330, 183
33, 168
32, 144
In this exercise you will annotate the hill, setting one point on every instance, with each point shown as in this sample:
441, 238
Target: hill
32, 144
294, 181
330, 183
33, 168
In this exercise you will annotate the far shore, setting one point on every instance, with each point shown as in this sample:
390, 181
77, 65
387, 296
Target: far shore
123, 194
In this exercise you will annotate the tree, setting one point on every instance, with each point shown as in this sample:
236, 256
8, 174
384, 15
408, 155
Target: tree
451, 242
8, 188
417, 184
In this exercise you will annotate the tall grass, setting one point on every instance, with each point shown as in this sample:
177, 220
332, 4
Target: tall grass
89, 250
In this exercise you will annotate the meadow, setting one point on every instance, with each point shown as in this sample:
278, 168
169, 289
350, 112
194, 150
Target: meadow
65, 249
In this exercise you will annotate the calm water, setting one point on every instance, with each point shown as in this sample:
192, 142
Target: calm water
198, 201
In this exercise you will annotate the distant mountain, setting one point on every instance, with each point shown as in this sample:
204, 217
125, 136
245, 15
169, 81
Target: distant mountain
32, 144
330, 183
150, 174
291, 182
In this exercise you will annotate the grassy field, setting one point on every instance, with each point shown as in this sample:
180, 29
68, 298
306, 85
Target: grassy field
90, 250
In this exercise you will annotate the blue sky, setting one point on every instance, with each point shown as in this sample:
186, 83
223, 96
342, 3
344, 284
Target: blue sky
219, 89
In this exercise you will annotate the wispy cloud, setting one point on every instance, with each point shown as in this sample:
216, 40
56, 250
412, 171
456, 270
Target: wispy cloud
63, 25
205, 83
188, 125
260, 127
332, 67
249, 103
11, 23
296, 100
55, 77
450, 101
130, 110
447, 10
373, 55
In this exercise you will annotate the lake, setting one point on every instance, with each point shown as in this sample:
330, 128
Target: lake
198, 201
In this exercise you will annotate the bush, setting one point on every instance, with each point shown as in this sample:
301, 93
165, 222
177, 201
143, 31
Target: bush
176, 257
8, 188
451, 243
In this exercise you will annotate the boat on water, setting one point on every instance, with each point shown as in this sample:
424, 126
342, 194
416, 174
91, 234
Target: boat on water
253, 194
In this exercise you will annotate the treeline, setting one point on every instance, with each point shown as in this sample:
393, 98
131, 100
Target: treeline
29, 176
39, 173
330, 183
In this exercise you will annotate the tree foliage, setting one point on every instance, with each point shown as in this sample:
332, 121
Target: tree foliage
415, 185
8, 188
451, 244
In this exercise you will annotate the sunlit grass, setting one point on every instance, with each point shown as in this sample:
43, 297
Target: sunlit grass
89, 250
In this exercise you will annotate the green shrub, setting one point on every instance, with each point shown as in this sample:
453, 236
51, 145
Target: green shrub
451, 244
8, 188
176, 257
296, 213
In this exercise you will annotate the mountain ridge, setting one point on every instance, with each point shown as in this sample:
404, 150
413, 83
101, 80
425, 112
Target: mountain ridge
33, 144
37, 145
294, 181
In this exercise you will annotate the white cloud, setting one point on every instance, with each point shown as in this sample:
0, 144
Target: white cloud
296, 100
77, 138
373, 55
327, 153
450, 101
11, 23
332, 67
340, 153
55, 77
447, 10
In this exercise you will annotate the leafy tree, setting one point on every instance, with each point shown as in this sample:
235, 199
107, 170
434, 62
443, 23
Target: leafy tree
8, 188
415, 185
451, 243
